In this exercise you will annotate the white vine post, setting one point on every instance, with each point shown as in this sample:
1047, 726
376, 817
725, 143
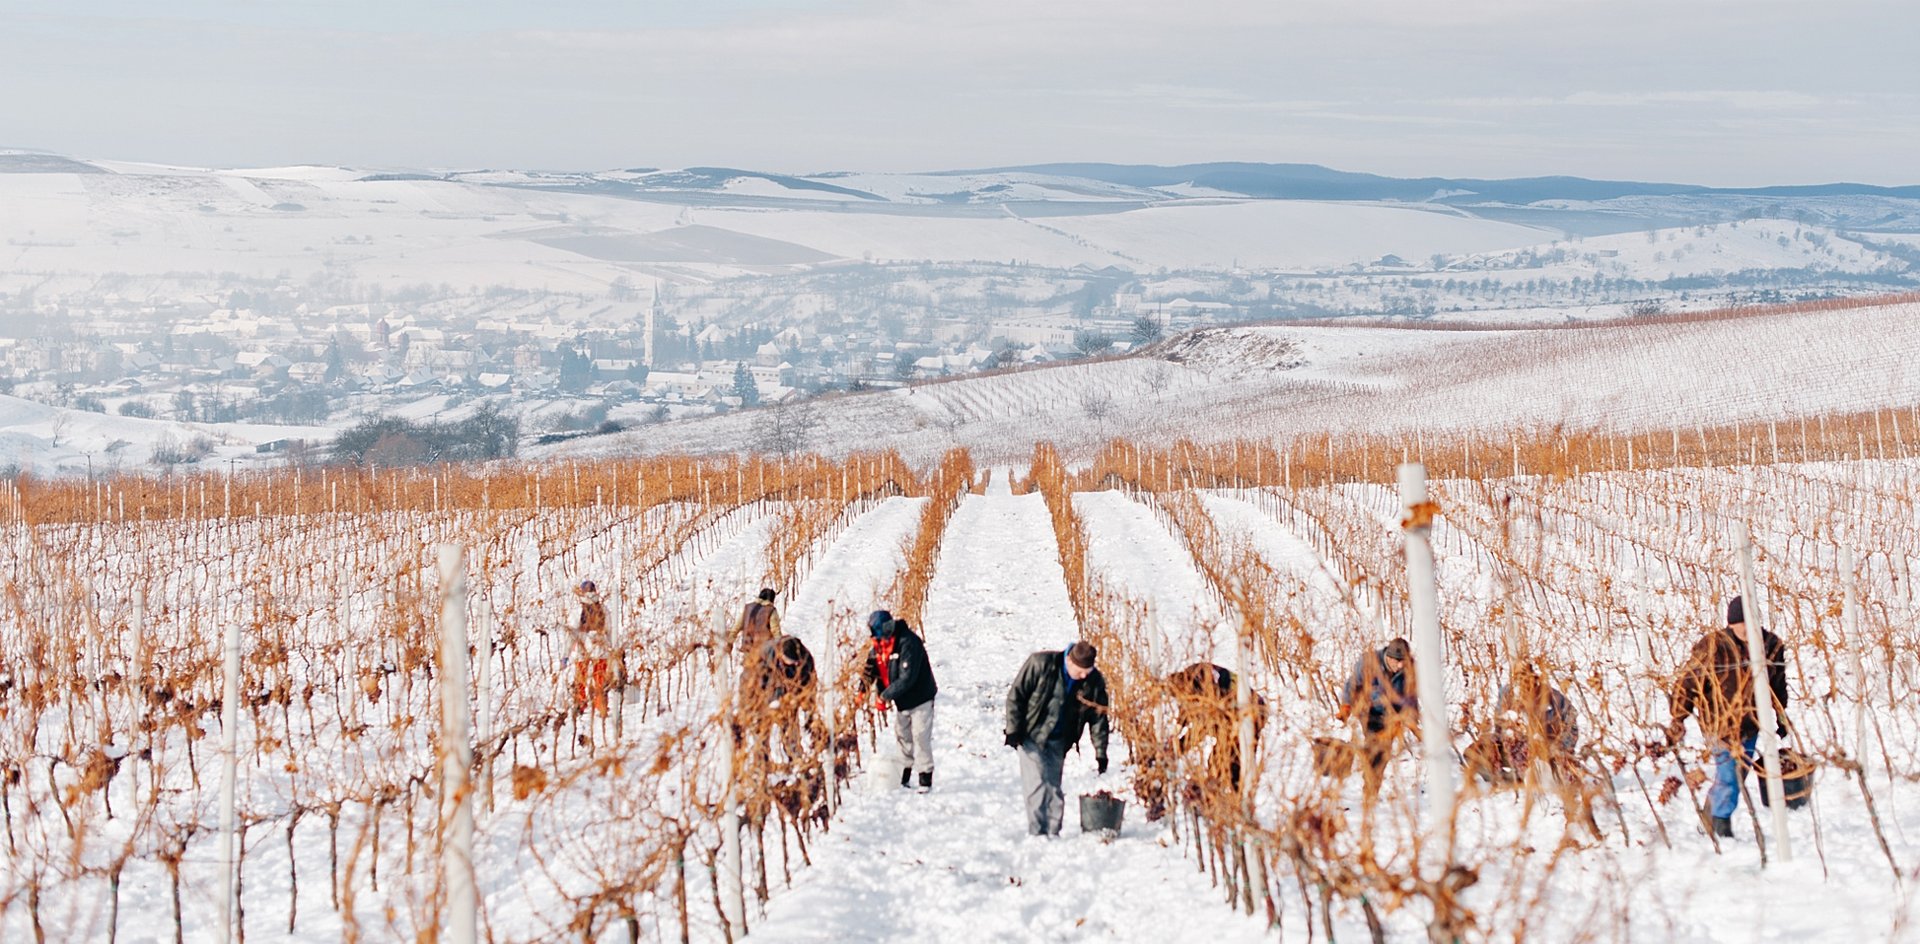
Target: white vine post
825, 679
483, 696
733, 892
1243, 702
1850, 618
456, 750
1428, 657
616, 646
229, 772
1769, 743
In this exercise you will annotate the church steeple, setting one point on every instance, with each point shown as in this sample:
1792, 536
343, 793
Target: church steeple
653, 322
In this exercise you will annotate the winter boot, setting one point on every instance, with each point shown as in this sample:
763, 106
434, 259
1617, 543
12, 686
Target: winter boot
926, 781
906, 777
1723, 827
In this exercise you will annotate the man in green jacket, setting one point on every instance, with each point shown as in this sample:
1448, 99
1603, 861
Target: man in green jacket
1057, 693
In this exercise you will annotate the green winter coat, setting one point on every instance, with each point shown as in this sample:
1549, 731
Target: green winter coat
1039, 696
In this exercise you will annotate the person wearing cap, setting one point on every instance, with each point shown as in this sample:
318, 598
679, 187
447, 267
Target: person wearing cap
900, 672
1715, 687
592, 651
1378, 685
759, 622
1057, 694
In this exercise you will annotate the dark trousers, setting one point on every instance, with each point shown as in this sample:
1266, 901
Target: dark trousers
1040, 764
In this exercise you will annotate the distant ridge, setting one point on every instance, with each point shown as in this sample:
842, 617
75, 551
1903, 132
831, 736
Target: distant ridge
1315, 182
34, 162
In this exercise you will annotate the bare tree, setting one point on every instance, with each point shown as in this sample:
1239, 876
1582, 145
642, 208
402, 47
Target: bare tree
1097, 404
61, 421
1159, 377
1146, 330
786, 429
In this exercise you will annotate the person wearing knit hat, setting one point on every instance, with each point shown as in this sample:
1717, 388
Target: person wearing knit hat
1715, 688
1057, 694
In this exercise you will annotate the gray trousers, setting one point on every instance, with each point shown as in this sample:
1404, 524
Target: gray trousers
914, 730
1040, 764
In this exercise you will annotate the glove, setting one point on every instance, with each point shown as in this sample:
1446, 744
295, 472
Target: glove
1015, 740
1100, 765
879, 704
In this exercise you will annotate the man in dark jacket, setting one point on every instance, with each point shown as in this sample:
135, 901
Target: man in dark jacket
898, 668
1056, 694
1378, 686
1715, 686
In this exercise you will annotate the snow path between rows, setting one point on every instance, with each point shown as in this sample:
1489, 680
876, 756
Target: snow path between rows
846, 582
957, 864
1131, 552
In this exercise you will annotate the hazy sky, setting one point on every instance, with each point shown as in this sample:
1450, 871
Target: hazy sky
1731, 92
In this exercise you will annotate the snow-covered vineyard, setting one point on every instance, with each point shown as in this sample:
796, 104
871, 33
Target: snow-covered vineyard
1285, 564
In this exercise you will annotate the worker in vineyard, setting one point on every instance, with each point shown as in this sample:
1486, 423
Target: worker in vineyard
1056, 695
1531, 719
778, 692
759, 623
1205, 696
900, 673
1377, 695
591, 651
1715, 687
1535, 732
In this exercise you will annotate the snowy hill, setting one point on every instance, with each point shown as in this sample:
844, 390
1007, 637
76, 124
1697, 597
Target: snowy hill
68, 223
143, 226
1294, 380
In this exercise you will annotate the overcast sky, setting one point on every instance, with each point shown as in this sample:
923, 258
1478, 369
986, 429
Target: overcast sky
1729, 92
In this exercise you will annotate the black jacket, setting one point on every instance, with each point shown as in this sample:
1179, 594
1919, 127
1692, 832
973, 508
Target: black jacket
1038, 706
909, 673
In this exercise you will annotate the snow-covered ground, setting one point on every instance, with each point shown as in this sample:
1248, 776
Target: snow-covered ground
1609, 575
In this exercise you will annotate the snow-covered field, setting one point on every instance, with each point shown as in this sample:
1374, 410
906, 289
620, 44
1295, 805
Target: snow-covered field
1606, 577
145, 226
156, 234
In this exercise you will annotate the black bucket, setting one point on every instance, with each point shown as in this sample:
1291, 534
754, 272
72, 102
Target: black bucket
1798, 790
1796, 780
1101, 813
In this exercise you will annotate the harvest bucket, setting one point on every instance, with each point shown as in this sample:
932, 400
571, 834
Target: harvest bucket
1101, 813
1796, 779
